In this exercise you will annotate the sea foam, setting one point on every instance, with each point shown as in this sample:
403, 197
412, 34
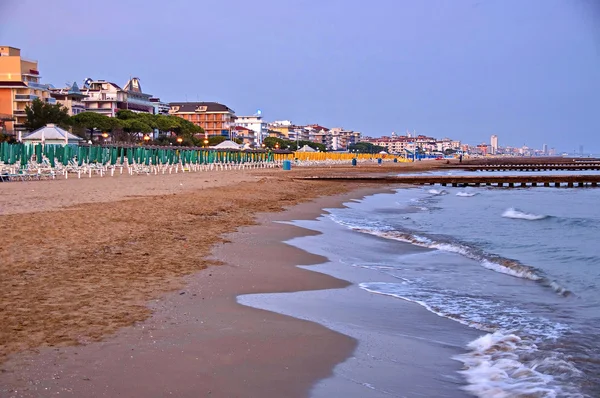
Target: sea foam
520, 215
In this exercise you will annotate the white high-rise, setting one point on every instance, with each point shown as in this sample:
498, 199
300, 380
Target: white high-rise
494, 142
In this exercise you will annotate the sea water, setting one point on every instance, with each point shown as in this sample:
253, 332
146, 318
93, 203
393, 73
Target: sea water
529, 278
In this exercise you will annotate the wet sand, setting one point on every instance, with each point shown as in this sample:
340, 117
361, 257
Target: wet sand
199, 340
81, 259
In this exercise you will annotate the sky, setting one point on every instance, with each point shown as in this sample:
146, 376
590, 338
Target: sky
525, 70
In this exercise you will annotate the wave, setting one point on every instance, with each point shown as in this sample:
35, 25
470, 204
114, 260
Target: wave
437, 192
501, 363
520, 215
466, 194
491, 262
495, 368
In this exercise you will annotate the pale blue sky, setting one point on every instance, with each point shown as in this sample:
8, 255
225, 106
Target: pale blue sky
526, 70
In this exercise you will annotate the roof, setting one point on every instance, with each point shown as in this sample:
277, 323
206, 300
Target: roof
13, 84
317, 127
51, 132
241, 128
306, 148
193, 106
133, 85
228, 145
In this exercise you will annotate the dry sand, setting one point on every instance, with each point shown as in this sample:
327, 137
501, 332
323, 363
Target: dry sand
81, 259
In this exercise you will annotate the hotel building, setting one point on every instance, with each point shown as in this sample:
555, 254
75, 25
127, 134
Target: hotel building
214, 118
19, 86
108, 98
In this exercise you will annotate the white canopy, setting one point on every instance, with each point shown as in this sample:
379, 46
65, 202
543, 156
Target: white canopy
306, 148
383, 153
228, 145
51, 134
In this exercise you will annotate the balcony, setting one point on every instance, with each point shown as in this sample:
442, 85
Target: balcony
19, 112
37, 85
51, 100
100, 110
25, 97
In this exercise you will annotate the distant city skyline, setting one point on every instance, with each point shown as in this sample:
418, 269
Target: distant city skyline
526, 71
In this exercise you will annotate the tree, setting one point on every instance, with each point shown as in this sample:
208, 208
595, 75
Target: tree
42, 113
271, 142
365, 147
93, 121
449, 151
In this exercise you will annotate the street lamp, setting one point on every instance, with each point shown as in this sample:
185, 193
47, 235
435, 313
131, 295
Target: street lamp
277, 146
146, 138
205, 142
179, 140
105, 135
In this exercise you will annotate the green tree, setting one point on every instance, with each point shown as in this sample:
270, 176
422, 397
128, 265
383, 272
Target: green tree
41, 113
216, 140
365, 147
271, 142
88, 121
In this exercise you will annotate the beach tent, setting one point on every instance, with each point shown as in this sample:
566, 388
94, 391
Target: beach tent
227, 145
383, 153
306, 148
51, 134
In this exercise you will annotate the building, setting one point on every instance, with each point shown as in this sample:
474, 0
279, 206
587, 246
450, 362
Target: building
69, 97
160, 108
108, 98
104, 97
342, 139
545, 149
245, 134
19, 86
394, 144
320, 135
494, 144
138, 101
52, 134
254, 123
214, 118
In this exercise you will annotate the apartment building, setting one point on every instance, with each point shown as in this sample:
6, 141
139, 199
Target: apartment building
248, 136
19, 86
320, 135
342, 139
69, 97
105, 98
254, 123
214, 118
160, 108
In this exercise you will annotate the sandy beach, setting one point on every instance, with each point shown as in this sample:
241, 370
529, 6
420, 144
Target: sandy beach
84, 257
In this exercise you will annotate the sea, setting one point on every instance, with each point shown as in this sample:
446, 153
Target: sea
519, 266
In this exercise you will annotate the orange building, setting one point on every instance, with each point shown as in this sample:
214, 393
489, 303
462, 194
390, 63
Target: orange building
214, 118
19, 86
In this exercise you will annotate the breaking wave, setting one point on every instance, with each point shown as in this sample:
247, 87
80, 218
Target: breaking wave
437, 192
495, 367
520, 215
466, 194
505, 362
489, 261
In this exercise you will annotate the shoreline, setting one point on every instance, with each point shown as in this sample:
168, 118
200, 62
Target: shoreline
247, 346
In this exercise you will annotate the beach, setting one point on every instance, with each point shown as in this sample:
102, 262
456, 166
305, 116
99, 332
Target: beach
85, 257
